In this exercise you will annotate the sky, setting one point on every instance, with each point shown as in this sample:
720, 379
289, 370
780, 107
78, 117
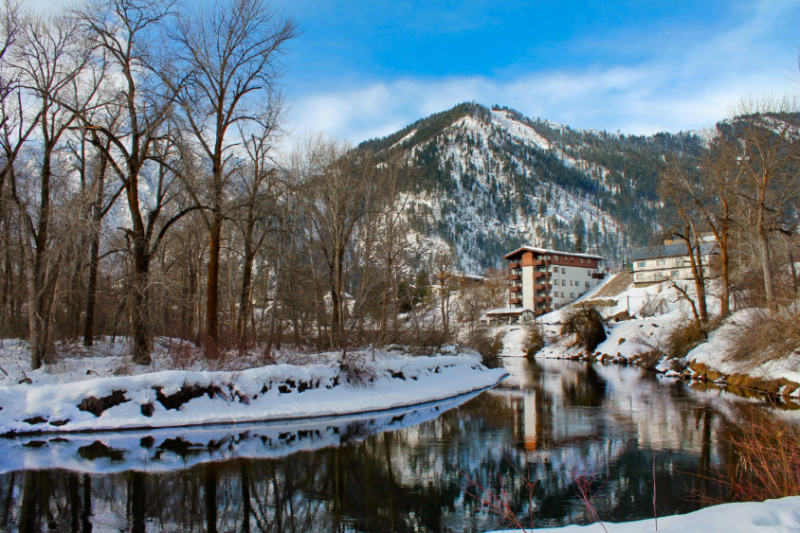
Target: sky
364, 69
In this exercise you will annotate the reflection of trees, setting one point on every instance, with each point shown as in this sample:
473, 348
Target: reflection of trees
403, 481
584, 388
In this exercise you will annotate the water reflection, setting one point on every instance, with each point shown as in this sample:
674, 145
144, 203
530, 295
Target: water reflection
554, 421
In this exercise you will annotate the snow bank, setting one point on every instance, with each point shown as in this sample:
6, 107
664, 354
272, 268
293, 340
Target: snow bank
164, 450
713, 353
184, 398
772, 516
656, 311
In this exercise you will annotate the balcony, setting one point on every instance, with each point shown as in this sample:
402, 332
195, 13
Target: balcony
541, 287
514, 277
512, 266
598, 274
516, 288
513, 301
543, 299
542, 275
540, 262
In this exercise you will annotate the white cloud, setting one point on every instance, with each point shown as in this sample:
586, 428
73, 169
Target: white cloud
685, 85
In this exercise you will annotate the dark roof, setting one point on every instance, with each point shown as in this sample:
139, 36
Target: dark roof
672, 250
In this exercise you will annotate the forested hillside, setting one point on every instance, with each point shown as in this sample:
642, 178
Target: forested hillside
488, 180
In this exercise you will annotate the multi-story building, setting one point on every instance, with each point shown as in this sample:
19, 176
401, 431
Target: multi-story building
671, 261
544, 280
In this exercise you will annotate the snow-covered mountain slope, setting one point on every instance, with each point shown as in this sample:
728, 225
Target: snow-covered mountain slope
489, 180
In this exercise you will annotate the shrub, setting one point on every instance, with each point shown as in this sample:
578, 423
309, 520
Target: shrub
489, 346
357, 371
587, 325
534, 341
684, 338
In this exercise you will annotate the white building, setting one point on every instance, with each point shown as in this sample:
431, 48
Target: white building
545, 280
671, 261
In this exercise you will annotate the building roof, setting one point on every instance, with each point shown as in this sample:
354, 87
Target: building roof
678, 249
508, 311
546, 251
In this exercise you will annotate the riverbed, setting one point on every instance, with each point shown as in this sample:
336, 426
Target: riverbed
539, 446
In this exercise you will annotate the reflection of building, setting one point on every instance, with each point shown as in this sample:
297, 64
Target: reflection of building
543, 280
553, 414
671, 261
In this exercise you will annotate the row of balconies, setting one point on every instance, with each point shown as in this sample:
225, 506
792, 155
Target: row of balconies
536, 262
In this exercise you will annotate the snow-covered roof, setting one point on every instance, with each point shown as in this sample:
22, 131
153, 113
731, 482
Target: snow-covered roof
547, 251
508, 311
677, 249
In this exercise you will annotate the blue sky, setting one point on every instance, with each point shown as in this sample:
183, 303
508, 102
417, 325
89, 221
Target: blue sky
367, 68
364, 69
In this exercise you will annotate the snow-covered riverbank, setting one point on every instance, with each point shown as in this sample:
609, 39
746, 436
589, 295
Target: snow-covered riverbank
177, 398
646, 318
772, 516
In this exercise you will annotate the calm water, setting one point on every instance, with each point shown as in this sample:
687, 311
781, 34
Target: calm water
610, 430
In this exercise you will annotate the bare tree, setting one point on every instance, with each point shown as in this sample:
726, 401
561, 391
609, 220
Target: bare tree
260, 187
52, 56
231, 50
717, 201
676, 186
127, 32
764, 141
337, 193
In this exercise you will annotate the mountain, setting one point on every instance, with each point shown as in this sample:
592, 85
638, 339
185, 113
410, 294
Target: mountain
490, 180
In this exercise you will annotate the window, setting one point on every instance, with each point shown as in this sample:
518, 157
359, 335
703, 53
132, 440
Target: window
563, 270
580, 259
661, 262
642, 264
587, 284
572, 295
555, 269
674, 273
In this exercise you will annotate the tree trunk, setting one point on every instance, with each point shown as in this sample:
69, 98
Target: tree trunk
41, 351
91, 291
140, 312
212, 297
245, 295
725, 275
94, 257
763, 248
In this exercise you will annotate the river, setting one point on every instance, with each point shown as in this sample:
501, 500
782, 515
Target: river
554, 443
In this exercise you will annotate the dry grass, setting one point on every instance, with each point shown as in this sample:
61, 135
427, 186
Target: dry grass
766, 337
598, 302
615, 285
765, 463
